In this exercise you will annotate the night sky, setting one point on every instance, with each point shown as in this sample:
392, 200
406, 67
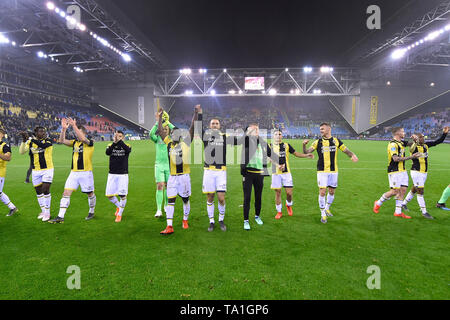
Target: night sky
250, 33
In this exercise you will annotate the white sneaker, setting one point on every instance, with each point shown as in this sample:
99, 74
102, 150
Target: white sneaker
158, 214
46, 217
41, 215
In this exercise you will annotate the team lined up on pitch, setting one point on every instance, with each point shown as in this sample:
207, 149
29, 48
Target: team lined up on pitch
172, 169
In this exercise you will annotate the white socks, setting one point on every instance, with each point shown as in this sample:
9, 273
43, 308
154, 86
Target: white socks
6, 201
322, 205
330, 199
47, 202
382, 199
421, 201
409, 197
398, 206
92, 201
210, 209
169, 213
289, 204
279, 207
122, 204
40, 199
186, 210
114, 201
64, 204
221, 211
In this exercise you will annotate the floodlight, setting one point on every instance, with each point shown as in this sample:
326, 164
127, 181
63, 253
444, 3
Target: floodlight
50, 5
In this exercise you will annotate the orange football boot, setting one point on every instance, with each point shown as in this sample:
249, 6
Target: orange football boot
166, 231
289, 210
279, 215
185, 224
376, 207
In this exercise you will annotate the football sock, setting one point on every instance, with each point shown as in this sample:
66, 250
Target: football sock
289, 203
64, 204
409, 197
322, 205
398, 206
165, 198
278, 207
445, 195
169, 213
330, 199
159, 199
92, 201
7, 202
47, 203
186, 210
221, 211
40, 199
123, 203
421, 202
114, 201
210, 210
382, 199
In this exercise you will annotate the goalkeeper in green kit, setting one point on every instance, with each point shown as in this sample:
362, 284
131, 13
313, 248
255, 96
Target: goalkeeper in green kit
162, 171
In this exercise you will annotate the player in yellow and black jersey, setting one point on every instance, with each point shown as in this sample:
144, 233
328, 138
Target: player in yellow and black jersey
179, 183
419, 170
281, 171
327, 169
5, 157
398, 177
40, 150
81, 174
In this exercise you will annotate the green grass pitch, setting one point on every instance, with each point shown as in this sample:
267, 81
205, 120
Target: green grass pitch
294, 258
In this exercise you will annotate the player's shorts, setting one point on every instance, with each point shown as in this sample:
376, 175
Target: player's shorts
327, 179
418, 178
398, 179
214, 181
2, 183
82, 179
42, 176
282, 180
162, 173
179, 185
117, 185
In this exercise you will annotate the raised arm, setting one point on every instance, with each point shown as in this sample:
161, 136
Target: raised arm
197, 110
78, 133
162, 134
441, 139
24, 147
62, 135
153, 135
306, 151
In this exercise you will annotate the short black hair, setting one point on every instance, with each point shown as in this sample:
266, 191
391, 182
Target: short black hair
120, 131
38, 128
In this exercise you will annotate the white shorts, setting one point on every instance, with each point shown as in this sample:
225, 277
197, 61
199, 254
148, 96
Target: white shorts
398, 179
282, 180
83, 179
327, 179
117, 185
214, 181
2, 183
418, 178
179, 185
42, 176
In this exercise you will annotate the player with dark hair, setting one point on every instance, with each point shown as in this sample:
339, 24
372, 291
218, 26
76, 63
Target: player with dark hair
398, 177
419, 170
117, 184
5, 157
40, 150
327, 167
81, 174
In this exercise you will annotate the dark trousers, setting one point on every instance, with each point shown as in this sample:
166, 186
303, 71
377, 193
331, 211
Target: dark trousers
29, 172
256, 181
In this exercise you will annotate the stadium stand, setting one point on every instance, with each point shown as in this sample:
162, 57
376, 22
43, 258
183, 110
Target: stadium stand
24, 113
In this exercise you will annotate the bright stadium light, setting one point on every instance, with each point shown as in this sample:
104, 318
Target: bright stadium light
213, 92
13, 43
232, 91
326, 69
40, 54
62, 14
272, 92
398, 53
317, 91
287, 70
126, 57
432, 84
225, 70
241, 92
189, 92
82, 27
3, 39
307, 69
388, 83
50, 6
291, 91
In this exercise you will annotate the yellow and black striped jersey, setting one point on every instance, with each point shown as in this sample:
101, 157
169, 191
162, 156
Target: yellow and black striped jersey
4, 149
82, 155
421, 164
179, 157
327, 152
282, 151
41, 154
396, 148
